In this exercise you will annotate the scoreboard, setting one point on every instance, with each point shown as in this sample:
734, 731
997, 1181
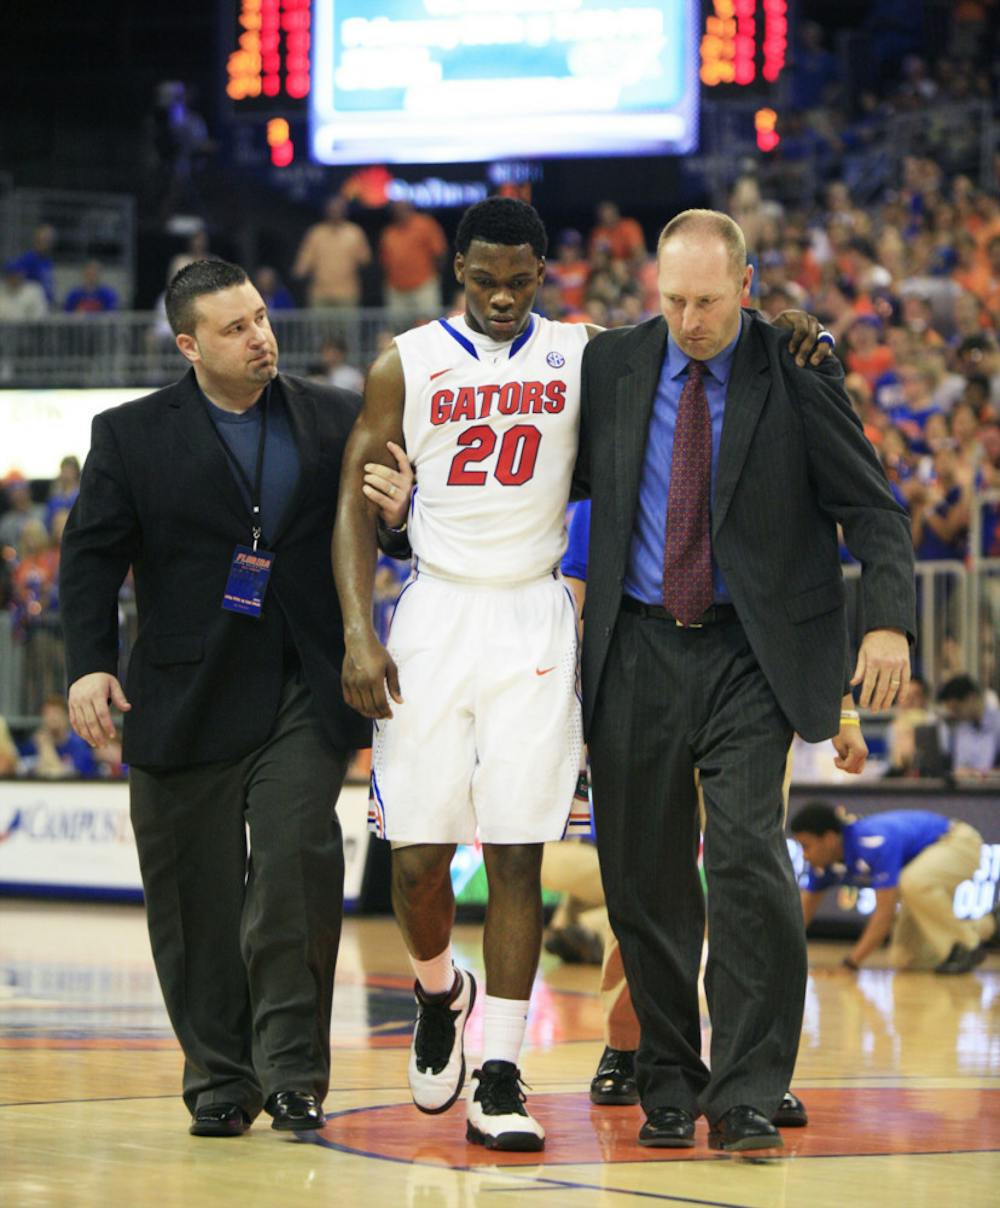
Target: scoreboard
270, 63
358, 82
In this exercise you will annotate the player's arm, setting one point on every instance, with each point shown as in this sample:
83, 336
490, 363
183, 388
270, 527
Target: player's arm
368, 667
878, 927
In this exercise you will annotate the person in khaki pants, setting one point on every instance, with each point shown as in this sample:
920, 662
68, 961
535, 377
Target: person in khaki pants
914, 860
571, 868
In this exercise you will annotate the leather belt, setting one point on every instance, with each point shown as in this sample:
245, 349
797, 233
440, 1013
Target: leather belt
718, 614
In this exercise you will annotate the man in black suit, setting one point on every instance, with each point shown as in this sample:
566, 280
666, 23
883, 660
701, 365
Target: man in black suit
233, 710
719, 471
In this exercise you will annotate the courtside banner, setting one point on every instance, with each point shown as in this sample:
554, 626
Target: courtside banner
41, 426
74, 838
67, 836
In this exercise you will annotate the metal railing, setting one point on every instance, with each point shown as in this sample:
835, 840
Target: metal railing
89, 226
958, 627
943, 592
983, 623
136, 348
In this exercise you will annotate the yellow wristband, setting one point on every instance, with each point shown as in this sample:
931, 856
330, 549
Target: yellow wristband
850, 721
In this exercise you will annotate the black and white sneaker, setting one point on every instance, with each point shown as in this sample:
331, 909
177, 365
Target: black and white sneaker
498, 1118
437, 1055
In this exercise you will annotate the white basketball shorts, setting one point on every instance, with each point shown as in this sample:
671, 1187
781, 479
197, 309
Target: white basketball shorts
488, 737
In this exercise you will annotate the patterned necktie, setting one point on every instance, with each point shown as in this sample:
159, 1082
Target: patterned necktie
687, 552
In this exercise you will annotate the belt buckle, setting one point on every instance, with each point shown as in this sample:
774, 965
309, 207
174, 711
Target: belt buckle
693, 625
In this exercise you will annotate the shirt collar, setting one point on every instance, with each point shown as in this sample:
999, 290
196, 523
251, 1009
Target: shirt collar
718, 366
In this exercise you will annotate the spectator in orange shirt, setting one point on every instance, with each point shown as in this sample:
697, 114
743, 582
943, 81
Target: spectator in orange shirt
331, 256
971, 271
569, 271
991, 293
622, 237
986, 223
867, 355
411, 252
918, 316
859, 392
36, 571
801, 266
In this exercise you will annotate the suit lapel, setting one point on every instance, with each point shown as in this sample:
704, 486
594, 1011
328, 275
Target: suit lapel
197, 433
301, 411
748, 386
636, 389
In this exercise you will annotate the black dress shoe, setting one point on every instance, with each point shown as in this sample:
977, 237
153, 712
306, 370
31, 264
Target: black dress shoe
791, 1114
962, 960
575, 945
295, 1111
994, 941
614, 1083
743, 1128
219, 1120
668, 1128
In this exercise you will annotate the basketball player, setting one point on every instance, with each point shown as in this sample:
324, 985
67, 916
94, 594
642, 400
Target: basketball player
484, 728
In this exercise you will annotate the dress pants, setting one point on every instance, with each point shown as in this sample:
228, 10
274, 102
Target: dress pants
245, 943
674, 702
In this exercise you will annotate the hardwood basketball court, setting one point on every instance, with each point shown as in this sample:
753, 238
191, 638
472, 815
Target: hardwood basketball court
899, 1073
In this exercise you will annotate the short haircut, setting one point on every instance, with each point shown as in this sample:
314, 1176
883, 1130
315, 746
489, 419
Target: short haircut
958, 688
817, 818
190, 283
503, 220
709, 222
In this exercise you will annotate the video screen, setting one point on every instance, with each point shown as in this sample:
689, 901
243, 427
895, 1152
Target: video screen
468, 81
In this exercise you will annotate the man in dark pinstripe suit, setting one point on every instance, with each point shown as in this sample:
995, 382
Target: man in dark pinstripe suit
719, 471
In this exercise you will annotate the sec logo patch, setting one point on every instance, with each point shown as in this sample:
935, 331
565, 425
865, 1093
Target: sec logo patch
556, 359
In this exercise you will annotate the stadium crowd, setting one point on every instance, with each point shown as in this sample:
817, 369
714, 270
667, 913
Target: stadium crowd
901, 265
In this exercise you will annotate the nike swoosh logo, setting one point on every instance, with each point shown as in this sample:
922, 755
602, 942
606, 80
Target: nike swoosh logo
439, 372
544, 670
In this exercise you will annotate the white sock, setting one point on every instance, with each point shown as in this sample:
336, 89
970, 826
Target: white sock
504, 1021
436, 976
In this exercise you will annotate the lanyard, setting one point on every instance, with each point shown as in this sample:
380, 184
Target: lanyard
255, 489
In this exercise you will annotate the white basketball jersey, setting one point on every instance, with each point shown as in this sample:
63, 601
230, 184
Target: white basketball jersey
492, 432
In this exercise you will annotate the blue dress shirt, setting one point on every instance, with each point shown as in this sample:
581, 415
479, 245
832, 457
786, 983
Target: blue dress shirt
644, 574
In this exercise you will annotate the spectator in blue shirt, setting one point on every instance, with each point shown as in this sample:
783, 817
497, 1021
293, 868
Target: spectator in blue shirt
271, 288
36, 264
91, 296
940, 509
64, 490
914, 860
55, 752
971, 733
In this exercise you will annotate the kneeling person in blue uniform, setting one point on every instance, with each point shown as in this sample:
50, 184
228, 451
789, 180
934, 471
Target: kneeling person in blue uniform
914, 860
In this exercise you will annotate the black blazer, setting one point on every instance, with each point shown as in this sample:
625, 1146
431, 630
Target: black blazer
158, 495
794, 461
